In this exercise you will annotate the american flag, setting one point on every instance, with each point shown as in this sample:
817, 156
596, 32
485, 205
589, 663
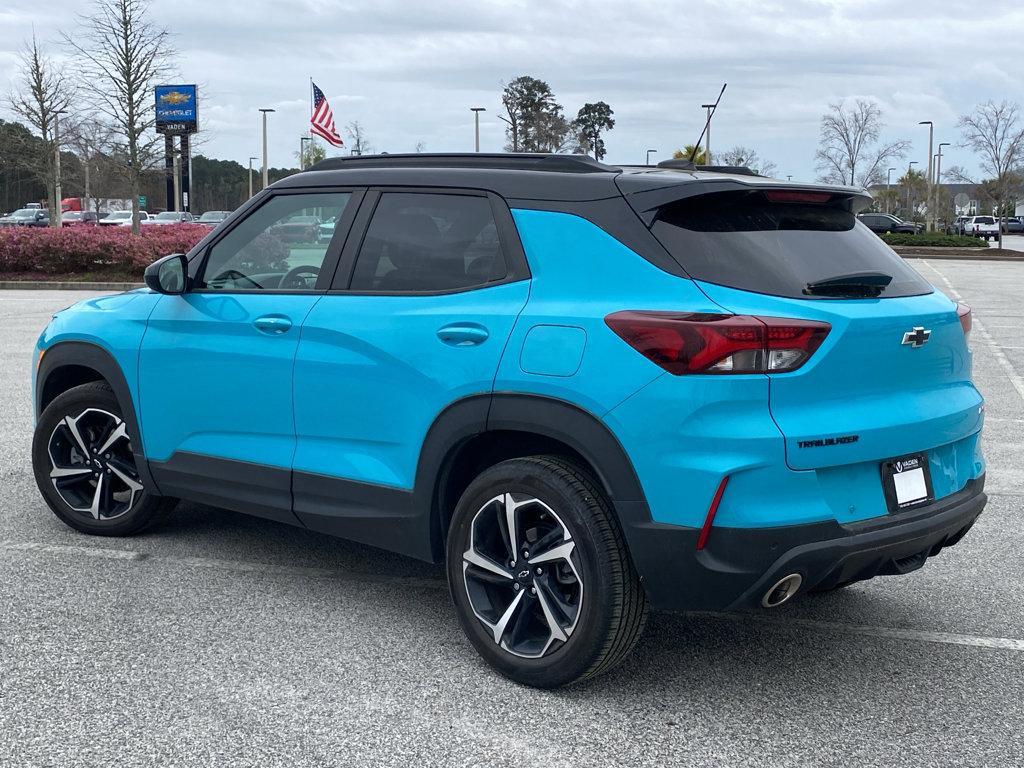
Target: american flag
322, 122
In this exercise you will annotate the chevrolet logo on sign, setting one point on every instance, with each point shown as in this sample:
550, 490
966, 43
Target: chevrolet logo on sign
175, 97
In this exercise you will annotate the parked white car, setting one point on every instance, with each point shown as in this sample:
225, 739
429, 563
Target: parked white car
121, 218
171, 217
981, 227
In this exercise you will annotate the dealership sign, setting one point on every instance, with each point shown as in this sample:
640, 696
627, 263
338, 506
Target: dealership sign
176, 109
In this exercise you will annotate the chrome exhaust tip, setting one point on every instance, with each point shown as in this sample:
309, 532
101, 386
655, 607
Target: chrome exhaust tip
782, 591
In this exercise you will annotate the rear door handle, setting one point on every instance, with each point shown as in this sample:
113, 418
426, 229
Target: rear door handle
272, 324
463, 334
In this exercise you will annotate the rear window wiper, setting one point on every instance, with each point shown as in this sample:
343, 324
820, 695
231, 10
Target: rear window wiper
860, 284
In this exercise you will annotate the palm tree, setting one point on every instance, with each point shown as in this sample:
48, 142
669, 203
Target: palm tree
684, 154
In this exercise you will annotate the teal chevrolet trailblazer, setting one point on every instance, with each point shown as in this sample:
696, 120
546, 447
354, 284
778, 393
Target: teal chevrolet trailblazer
587, 390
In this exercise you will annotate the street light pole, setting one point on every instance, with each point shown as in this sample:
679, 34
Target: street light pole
707, 134
938, 174
251, 158
476, 123
648, 160
930, 220
888, 184
55, 219
910, 167
265, 110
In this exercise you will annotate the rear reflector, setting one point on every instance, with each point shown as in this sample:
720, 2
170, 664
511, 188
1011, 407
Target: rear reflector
709, 519
706, 343
797, 196
966, 317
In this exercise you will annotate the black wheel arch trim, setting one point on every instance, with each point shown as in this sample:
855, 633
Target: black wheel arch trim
541, 415
92, 356
575, 427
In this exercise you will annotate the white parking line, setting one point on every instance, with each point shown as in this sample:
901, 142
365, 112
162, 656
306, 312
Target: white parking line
251, 567
902, 634
979, 328
91, 552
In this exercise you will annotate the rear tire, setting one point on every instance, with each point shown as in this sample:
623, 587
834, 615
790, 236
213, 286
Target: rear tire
84, 466
572, 608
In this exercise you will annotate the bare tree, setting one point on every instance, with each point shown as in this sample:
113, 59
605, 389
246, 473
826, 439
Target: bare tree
744, 156
90, 139
360, 144
122, 56
994, 133
848, 151
41, 94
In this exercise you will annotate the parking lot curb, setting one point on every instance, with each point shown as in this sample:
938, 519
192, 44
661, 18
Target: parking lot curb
68, 285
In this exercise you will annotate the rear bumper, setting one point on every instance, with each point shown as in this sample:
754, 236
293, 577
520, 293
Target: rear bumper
738, 566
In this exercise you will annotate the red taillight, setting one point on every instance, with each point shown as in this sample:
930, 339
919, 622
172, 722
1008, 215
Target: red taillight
705, 343
966, 318
797, 196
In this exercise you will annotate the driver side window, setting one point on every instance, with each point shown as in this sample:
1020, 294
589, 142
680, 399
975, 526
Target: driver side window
279, 247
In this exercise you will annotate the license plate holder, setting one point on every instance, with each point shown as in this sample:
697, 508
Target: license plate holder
907, 482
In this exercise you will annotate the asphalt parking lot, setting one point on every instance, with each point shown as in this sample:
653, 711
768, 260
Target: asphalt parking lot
229, 640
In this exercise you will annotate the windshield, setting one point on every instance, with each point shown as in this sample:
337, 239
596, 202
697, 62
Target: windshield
72, 215
119, 215
25, 213
168, 216
742, 240
984, 220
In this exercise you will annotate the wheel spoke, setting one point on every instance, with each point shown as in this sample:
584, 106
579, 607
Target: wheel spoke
510, 524
499, 628
119, 433
67, 472
558, 553
473, 557
130, 482
97, 498
73, 429
557, 634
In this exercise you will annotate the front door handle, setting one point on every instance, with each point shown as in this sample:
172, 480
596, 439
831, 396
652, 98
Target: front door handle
272, 324
463, 334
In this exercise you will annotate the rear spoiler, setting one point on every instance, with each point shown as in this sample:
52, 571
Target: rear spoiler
646, 201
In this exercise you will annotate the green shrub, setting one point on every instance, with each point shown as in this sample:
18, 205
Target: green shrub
934, 240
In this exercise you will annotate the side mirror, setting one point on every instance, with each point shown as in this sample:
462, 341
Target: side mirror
168, 275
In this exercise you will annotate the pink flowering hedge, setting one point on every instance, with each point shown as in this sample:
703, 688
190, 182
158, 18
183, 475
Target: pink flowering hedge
83, 249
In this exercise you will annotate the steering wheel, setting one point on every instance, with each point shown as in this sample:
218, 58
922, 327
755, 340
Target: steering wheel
230, 274
292, 276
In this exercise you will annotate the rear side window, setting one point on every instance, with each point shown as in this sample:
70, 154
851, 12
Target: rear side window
420, 242
741, 240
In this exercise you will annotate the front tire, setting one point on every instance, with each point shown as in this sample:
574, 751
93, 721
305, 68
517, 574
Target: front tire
85, 469
539, 573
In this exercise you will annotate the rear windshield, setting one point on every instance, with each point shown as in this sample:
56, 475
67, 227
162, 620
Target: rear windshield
984, 220
741, 240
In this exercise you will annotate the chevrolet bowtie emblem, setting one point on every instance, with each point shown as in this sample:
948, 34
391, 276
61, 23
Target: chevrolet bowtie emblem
917, 336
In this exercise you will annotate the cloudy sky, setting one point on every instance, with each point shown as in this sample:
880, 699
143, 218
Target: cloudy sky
409, 71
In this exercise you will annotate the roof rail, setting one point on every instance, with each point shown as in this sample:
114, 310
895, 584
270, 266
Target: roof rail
686, 165
522, 161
